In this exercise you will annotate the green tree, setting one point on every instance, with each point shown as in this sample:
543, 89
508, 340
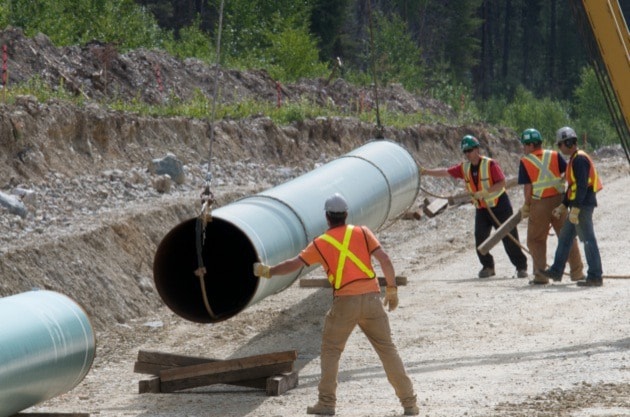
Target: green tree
68, 22
591, 111
397, 55
292, 53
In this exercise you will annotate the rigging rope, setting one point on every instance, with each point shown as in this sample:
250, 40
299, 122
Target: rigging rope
207, 198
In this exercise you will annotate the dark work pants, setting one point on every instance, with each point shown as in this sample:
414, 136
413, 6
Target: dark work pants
484, 223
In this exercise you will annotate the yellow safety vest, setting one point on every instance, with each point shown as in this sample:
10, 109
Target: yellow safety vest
593, 177
484, 182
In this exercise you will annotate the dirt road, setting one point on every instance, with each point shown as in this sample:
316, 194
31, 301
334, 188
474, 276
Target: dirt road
493, 347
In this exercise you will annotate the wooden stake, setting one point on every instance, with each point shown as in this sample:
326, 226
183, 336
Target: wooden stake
501, 232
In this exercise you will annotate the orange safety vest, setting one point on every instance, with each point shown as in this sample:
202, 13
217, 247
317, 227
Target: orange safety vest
484, 182
346, 254
593, 178
544, 172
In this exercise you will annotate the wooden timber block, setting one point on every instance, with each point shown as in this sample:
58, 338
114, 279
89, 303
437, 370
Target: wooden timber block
435, 207
150, 362
227, 371
279, 384
151, 386
323, 282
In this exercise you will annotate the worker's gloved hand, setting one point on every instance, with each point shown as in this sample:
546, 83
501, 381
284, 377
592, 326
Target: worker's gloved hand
480, 195
525, 211
559, 211
262, 270
573, 215
423, 170
391, 298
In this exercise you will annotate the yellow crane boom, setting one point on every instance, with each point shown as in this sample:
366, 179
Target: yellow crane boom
604, 29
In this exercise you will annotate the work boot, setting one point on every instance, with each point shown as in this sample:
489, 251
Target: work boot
321, 409
590, 283
539, 280
486, 272
411, 411
521, 273
549, 274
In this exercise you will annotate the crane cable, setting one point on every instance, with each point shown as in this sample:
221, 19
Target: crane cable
207, 198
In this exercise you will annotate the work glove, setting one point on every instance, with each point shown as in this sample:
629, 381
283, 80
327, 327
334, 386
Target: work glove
559, 211
480, 195
423, 170
391, 298
525, 211
573, 215
262, 270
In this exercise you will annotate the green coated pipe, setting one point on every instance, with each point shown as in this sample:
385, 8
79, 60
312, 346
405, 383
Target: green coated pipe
46, 348
380, 180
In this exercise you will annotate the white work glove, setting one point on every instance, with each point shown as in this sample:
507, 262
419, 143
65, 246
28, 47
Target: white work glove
391, 298
559, 211
480, 195
573, 215
262, 270
525, 211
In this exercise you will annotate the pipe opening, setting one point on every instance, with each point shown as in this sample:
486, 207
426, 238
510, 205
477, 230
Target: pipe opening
229, 282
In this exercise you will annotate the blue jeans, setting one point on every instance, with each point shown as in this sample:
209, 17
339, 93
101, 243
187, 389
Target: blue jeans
586, 234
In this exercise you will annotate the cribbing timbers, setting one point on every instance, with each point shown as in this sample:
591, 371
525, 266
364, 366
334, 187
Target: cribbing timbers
150, 362
227, 371
323, 282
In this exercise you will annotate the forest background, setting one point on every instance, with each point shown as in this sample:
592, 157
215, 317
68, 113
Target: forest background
514, 63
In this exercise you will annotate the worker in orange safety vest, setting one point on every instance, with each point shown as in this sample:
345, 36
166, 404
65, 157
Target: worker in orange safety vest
485, 182
345, 252
541, 172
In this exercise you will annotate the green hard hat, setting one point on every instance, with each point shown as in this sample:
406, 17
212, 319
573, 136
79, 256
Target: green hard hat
530, 136
469, 142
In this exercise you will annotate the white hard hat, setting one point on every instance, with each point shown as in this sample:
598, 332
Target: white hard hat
336, 204
565, 133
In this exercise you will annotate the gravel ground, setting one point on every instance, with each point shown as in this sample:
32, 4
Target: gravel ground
494, 347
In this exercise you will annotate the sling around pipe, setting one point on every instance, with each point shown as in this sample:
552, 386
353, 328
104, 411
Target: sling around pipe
380, 180
47, 348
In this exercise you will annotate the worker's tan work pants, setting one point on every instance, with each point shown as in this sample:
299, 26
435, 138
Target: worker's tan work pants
367, 311
540, 217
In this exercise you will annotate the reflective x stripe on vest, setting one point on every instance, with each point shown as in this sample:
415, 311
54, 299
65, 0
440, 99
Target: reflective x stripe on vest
484, 180
546, 183
344, 254
593, 177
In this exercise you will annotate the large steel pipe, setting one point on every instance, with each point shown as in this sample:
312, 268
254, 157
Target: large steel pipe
46, 348
379, 180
